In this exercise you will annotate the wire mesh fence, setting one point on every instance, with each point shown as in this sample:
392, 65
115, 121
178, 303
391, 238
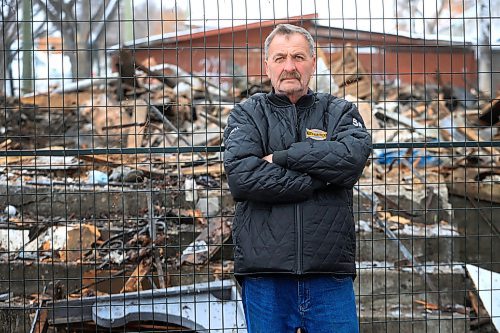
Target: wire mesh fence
116, 214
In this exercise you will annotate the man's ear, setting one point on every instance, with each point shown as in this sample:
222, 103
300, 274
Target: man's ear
267, 69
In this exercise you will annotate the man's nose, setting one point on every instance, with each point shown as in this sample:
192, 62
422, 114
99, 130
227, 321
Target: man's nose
289, 64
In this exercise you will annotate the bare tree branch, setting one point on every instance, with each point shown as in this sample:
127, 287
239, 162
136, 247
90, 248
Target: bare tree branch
432, 25
98, 15
410, 12
75, 21
8, 36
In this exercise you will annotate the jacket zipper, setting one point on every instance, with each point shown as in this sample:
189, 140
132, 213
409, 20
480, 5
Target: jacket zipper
298, 217
297, 133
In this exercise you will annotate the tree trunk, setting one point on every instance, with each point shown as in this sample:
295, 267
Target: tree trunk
3, 74
82, 69
79, 55
484, 49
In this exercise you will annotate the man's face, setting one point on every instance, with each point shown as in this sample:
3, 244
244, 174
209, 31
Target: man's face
290, 65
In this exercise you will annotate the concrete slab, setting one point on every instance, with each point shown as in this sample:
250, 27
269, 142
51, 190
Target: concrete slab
89, 201
392, 317
29, 277
435, 242
424, 203
478, 223
381, 280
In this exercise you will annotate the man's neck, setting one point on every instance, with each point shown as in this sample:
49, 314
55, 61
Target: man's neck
294, 98
283, 100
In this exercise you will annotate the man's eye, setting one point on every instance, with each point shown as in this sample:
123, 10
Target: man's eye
278, 59
299, 57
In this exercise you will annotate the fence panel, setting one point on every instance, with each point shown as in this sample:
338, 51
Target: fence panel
115, 210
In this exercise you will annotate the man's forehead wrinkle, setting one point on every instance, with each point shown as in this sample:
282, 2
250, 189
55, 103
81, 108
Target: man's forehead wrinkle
281, 53
287, 52
281, 47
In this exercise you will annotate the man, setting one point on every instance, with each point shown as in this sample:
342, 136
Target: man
292, 158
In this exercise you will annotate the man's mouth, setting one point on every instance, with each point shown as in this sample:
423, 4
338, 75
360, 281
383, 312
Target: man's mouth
290, 76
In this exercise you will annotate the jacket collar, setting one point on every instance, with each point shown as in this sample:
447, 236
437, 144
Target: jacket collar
281, 100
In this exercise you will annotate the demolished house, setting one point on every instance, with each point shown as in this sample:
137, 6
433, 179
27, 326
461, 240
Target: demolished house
117, 213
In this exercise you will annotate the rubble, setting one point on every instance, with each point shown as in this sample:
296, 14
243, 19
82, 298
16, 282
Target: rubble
349, 74
207, 243
65, 243
146, 219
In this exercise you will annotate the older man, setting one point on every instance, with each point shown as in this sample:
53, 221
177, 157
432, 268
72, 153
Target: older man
292, 158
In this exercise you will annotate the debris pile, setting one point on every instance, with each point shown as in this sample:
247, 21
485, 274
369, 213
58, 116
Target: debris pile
149, 220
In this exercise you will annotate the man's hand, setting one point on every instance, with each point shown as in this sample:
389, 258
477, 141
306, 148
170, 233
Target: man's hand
268, 158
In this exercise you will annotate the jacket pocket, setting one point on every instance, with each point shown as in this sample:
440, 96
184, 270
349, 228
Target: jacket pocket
328, 236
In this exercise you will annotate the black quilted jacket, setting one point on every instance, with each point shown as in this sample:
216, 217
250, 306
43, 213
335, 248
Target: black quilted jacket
294, 215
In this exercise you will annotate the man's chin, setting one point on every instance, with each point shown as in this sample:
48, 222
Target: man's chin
292, 95
290, 88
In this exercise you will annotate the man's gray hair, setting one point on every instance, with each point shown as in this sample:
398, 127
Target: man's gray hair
288, 29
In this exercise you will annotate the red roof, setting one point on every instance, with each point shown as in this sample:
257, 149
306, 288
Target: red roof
204, 32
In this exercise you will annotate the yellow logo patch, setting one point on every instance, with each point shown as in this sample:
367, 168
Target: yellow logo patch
315, 134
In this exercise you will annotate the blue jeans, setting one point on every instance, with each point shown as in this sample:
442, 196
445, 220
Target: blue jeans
319, 304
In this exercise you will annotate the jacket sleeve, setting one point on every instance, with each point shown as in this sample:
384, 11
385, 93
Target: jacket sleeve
252, 178
339, 161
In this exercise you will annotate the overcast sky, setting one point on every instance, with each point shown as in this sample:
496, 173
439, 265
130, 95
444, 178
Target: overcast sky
361, 14
370, 15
